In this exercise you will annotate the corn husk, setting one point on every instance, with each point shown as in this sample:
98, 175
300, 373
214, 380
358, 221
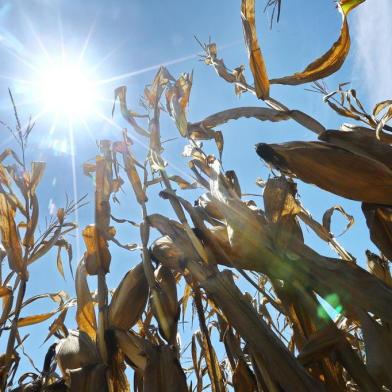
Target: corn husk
333, 169
75, 351
164, 303
129, 300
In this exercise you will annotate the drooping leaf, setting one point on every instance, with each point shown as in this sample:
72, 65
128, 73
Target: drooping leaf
120, 94
59, 262
256, 60
331, 168
85, 314
327, 217
329, 62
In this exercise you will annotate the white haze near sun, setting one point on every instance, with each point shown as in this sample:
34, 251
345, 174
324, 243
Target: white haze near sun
66, 88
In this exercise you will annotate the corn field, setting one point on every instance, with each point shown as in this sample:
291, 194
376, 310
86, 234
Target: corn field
129, 337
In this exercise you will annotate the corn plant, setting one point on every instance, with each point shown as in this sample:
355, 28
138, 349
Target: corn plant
128, 337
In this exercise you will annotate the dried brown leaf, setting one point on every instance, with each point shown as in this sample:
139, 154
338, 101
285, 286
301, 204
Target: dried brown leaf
97, 253
328, 63
256, 60
164, 303
10, 236
379, 222
177, 99
85, 314
333, 169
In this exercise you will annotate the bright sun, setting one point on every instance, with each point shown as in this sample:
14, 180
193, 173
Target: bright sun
67, 90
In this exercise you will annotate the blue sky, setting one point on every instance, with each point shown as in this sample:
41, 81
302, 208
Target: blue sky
124, 42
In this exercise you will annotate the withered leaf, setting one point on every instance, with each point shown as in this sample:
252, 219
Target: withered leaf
256, 60
85, 314
154, 92
163, 371
37, 171
381, 106
183, 184
134, 179
379, 222
378, 348
243, 378
177, 99
134, 347
327, 217
57, 324
332, 168
38, 318
164, 303
60, 263
120, 94
379, 267
97, 253
360, 141
332, 60
10, 236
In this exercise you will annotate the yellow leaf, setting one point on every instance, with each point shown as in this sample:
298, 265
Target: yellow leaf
38, 318
347, 5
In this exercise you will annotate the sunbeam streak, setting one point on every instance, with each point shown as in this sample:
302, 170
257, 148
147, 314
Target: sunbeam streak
156, 66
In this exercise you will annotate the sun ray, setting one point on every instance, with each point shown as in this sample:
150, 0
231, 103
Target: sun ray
61, 34
53, 126
36, 35
146, 69
34, 119
17, 80
87, 40
157, 66
89, 132
107, 56
22, 60
74, 184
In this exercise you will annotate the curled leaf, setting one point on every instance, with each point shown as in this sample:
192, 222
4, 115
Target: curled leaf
332, 60
328, 216
177, 99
